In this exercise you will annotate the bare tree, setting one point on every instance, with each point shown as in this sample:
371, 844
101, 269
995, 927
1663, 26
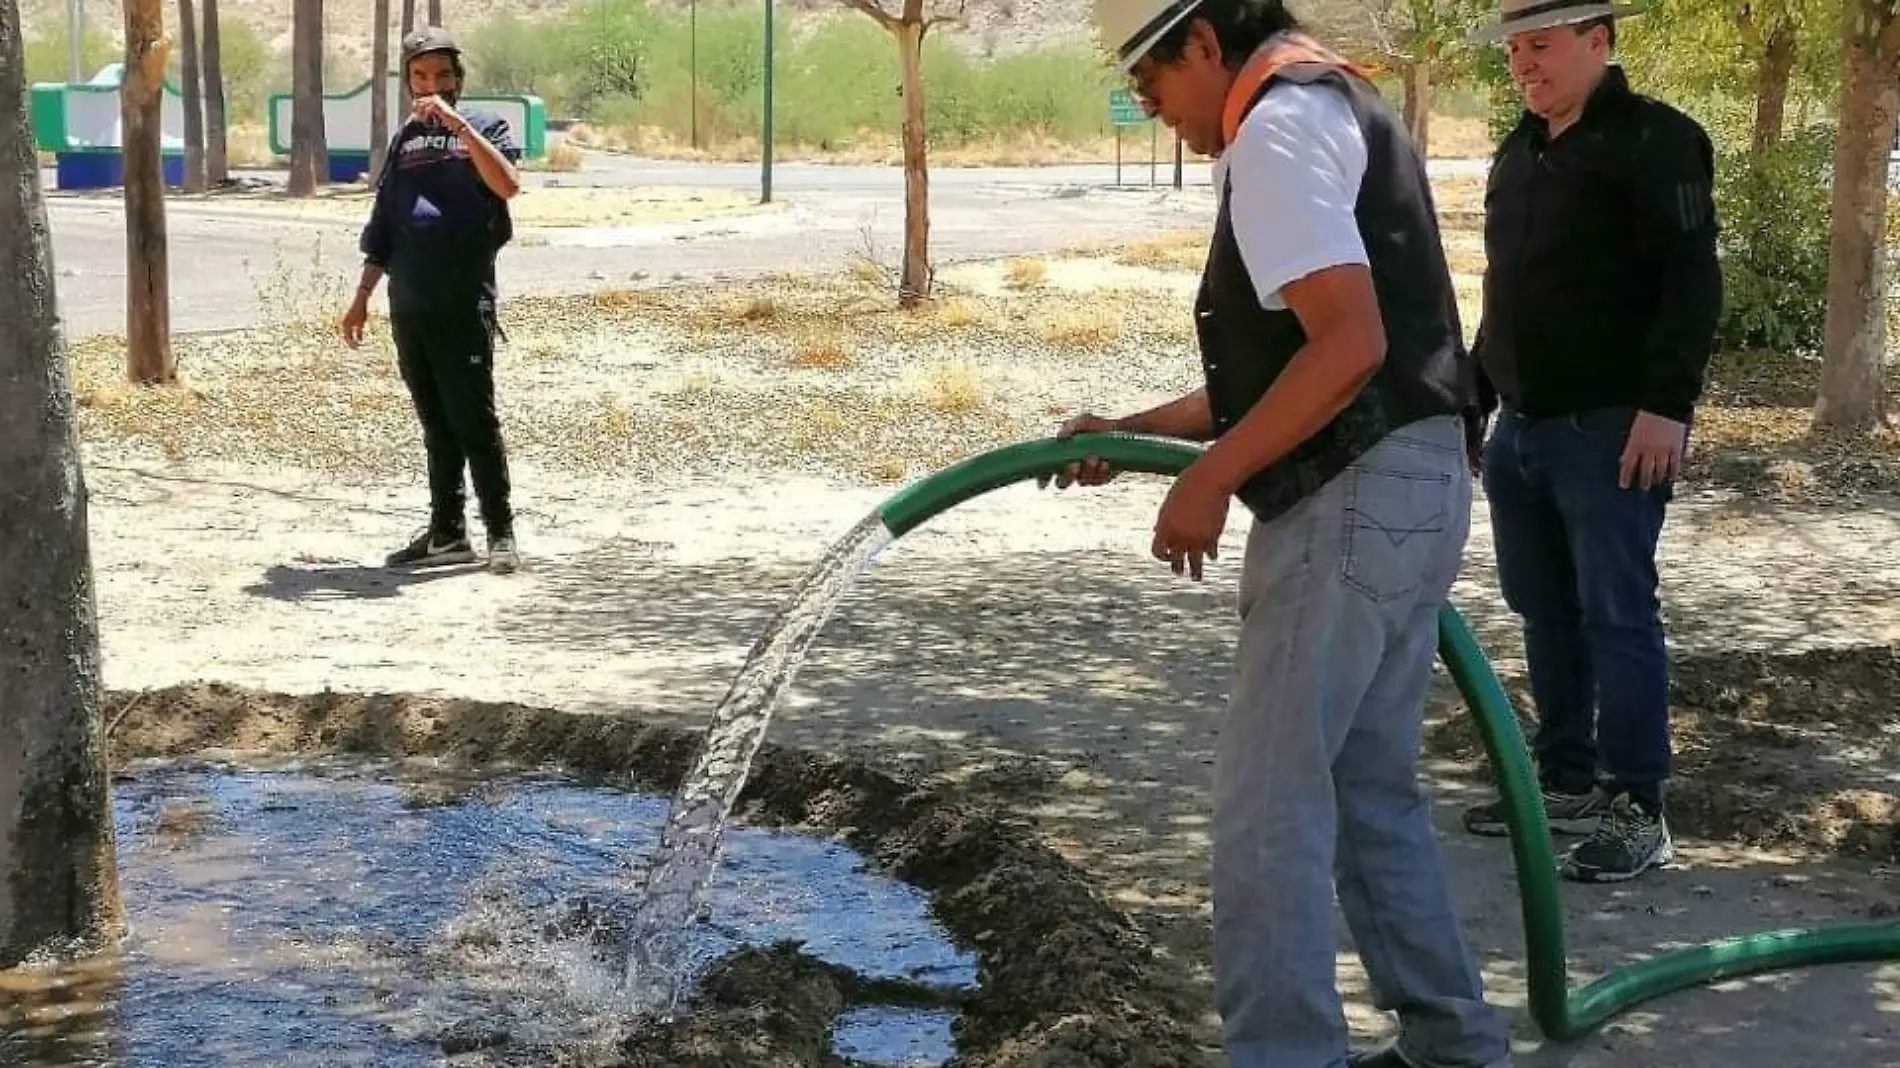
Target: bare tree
402, 80
194, 100
1422, 40
148, 345
309, 155
58, 879
908, 29
217, 162
1853, 388
379, 90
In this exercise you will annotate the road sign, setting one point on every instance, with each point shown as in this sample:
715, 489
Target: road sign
1123, 110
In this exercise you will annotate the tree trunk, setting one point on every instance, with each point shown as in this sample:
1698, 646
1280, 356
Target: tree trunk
914, 285
148, 347
194, 100
402, 76
1853, 391
379, 91
58, 878
1418, 102
435, 12
1771, 89
309, 158
217, 165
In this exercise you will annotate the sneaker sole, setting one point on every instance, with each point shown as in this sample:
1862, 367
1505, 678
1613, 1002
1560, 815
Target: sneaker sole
1595, 875
1578, 826
442, 560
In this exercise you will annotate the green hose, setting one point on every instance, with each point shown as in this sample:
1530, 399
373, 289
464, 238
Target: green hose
1559, 1012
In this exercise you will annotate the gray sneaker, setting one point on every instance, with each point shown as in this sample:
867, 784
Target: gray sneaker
1628, 842
1566, 814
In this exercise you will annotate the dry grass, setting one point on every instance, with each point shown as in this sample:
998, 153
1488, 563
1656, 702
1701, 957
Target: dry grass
1459, 138
1024, 274
954, 386
1451, 138
1182, 250
562, 156
955, 313
1088, 324
822, 350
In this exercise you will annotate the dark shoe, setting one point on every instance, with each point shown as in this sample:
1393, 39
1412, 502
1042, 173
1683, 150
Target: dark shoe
1629, 841
431, 550
503, 559
1566, 814
1389, 1058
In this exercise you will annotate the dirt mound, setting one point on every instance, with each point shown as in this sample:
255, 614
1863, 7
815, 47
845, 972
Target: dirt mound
1064, 978
1776, 750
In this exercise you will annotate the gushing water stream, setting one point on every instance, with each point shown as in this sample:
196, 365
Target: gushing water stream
682, 866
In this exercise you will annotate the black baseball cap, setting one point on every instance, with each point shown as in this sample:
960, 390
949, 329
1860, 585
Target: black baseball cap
425, 40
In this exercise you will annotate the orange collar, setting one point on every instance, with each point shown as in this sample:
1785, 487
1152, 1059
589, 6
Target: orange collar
1284, 50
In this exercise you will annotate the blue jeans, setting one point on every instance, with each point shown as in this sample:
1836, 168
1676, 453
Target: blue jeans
1577, 562
1316, 783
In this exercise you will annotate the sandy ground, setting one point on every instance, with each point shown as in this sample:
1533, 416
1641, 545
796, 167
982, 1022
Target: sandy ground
674, 485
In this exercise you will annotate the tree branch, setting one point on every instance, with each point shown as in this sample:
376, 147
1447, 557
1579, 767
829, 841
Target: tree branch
868, 7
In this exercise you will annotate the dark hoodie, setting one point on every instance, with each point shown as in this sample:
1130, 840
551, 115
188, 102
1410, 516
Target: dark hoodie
436, 228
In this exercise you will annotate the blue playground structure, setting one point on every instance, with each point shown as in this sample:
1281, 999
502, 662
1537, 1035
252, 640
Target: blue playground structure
79, 123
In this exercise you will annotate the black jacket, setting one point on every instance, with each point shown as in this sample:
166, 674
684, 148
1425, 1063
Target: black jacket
1602, 287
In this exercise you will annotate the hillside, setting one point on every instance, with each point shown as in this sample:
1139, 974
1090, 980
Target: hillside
992, 26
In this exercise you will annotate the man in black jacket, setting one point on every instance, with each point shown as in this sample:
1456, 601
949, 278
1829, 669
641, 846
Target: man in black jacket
1600, 304
440, 218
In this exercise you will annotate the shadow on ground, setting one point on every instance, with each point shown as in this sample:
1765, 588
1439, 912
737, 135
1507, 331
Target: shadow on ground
1087, 690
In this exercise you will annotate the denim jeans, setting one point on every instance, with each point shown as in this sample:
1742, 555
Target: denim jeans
1316, 783
1577, 562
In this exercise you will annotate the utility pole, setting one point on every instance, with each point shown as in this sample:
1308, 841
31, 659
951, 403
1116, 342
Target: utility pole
692, 50
75, 33
765, 123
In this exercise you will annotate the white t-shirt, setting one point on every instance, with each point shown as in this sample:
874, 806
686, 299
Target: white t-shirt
1295, 166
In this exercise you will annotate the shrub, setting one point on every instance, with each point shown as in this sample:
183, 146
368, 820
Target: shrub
1774, 243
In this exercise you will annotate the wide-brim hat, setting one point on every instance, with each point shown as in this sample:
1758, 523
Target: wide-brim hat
1524, 16
1128, 29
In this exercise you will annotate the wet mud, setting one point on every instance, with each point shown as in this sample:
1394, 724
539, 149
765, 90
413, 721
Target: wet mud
1064, 979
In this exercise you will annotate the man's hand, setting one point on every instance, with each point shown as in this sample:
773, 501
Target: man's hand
1090, 471
435, 109
1191, 520
354, 319
1654, 452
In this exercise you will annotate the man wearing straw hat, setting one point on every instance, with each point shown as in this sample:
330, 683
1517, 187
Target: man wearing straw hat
1600, 307
1336, 375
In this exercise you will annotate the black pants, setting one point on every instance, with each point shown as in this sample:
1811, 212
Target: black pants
448, 361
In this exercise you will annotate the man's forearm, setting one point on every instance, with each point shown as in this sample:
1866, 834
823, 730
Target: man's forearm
366, 284
1189, 418
497, 173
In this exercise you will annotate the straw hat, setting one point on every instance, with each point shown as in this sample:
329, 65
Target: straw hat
1129, 28
1523, 16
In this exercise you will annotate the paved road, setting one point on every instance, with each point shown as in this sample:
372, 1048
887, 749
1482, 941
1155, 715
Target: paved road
221, 257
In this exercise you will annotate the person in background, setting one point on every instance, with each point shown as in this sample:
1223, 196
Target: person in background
440, 218
1601, 299
1336, 378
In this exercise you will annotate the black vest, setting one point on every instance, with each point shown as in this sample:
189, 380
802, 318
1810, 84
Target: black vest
1427, 370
